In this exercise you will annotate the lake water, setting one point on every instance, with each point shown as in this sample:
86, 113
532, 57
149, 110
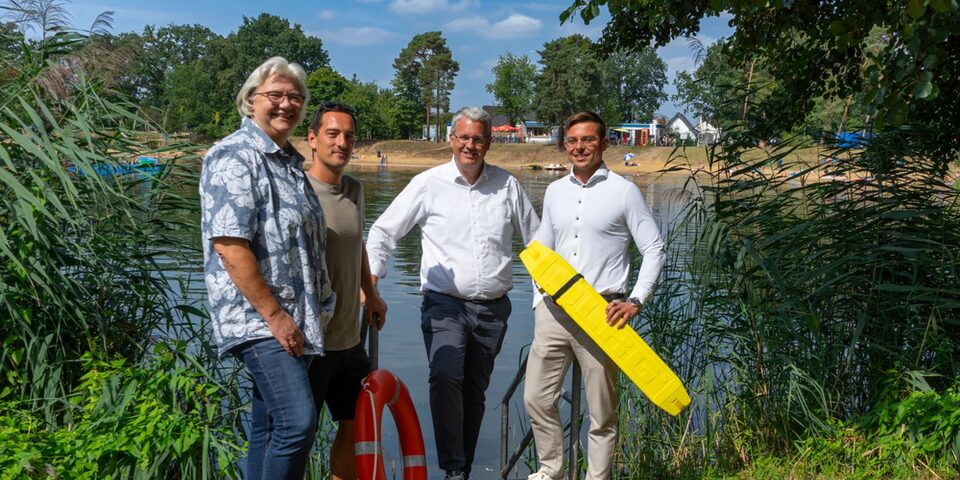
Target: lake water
401, 343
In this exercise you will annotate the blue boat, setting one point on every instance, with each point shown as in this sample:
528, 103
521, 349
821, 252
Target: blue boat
148, 166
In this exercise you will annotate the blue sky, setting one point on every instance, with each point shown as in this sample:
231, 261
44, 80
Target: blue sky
364, 36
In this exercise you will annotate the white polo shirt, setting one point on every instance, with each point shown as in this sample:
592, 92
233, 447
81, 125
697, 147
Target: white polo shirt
466, 230
590, 224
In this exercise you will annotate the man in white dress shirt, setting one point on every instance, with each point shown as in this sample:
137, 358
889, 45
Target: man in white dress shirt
468, 212
589, 218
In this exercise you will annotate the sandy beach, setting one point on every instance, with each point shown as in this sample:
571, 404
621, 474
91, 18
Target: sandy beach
416, 154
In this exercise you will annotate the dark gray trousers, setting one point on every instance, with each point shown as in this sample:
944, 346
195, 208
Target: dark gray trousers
462, 338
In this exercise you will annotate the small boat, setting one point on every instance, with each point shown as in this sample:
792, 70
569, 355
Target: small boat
555, 167
148, 166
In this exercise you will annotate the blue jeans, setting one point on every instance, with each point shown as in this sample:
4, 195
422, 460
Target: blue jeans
463, 339
283, 420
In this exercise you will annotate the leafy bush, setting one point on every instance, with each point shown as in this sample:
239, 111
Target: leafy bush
157, 420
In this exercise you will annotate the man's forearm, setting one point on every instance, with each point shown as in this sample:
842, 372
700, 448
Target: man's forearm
367, 283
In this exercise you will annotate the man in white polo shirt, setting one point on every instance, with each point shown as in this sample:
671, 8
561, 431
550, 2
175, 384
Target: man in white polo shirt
589, 218
468, 212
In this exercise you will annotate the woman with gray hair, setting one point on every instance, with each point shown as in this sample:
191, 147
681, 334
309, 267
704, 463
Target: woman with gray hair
269, 294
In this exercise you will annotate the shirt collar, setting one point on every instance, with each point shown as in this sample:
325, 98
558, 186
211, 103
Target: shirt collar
600, 175
262, 141
457, 178
265, 144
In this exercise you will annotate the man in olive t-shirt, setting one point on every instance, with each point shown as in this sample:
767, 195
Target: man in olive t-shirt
335, 377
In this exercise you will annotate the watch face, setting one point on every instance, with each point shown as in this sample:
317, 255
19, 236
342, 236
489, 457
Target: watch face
636, 301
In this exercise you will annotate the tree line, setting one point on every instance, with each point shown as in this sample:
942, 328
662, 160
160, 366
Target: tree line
572, 75
185, 77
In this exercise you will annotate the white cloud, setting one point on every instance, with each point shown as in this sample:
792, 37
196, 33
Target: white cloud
327, 15
358, 36
514, 26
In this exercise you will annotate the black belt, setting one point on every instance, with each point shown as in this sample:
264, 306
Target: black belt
609, 297
478, 301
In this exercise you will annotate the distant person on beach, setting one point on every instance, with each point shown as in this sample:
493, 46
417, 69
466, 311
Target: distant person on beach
468, 212
336, 376
269, 295
589, 218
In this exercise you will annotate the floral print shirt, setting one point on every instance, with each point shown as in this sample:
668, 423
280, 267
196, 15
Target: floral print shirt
251, 188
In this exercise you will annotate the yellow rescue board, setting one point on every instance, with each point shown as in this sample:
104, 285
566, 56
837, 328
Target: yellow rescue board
634, 357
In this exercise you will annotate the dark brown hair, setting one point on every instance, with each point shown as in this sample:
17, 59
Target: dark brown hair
582, 117
331, 107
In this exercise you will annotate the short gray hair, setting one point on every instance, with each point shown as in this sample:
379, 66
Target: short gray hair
476, 114
273, 66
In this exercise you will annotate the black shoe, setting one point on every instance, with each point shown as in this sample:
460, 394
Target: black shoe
455, 475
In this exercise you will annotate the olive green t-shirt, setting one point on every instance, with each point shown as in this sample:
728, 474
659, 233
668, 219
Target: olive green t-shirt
343, 210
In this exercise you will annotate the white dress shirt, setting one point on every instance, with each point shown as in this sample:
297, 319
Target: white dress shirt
466, 230
589, 225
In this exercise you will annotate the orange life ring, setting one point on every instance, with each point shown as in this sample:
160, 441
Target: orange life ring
383, 388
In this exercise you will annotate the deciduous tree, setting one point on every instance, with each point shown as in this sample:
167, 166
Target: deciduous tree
513, 84
634, 82
425, 73
569, 80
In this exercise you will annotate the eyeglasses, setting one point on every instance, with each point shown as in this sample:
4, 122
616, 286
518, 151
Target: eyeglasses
573, 141
466, 140
276, 97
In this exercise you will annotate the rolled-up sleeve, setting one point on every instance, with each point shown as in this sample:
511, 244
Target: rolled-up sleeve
396, 221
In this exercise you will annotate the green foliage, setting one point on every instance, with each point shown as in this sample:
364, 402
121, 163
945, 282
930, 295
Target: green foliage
68, 236
569, 81
800, 296
161, 419
187, 76
157, 53
512, 86
269, 35
633, 82
911, 433
376, 110
85, 260
326, 84
821, 49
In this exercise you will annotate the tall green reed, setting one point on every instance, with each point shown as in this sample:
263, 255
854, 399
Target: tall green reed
799, 299
87, 299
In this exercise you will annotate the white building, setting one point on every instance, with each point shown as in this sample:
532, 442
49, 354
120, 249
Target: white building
682, 127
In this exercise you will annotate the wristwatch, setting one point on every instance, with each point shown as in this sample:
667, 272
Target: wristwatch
636, 302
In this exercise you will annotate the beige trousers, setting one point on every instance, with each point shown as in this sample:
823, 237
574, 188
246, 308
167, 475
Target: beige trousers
556, 341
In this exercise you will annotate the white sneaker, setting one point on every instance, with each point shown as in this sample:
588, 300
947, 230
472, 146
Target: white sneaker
540, 475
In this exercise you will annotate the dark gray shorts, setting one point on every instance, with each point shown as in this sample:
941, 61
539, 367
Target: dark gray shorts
335, 379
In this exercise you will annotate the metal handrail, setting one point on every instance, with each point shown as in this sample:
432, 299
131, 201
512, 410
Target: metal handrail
372, 337
509, 460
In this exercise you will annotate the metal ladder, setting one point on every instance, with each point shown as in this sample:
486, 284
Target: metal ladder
508, 459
